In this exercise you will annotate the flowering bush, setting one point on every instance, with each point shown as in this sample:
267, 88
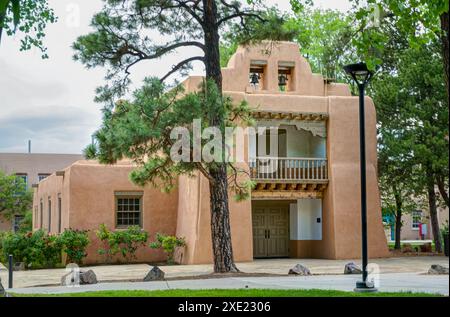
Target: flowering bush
74, 244
39, 249
36, 249
126, 242
168, 244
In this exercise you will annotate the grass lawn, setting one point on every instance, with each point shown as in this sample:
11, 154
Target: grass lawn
414, 245
231, 293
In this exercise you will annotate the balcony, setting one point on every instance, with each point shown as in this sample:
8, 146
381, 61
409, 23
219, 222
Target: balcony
291, 177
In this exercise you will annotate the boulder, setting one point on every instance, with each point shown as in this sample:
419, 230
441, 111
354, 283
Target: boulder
155, 274
438, 269
19, 266
299, 269
352, 268
68, 279
88, 277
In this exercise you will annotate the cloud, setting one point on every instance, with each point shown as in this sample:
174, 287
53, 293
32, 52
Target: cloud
52, 129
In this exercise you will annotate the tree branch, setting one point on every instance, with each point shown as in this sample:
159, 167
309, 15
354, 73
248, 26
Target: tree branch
181, 64
238, 13
191, 10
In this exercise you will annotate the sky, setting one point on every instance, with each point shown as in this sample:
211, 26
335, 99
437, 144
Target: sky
50, 102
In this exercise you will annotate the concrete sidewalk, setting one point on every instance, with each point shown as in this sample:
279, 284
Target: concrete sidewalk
124, 273
389, 282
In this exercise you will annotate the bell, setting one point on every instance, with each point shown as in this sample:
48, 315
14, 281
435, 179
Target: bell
254, 79
282, 79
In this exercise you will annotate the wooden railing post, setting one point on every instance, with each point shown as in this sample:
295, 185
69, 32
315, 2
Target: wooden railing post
275, 168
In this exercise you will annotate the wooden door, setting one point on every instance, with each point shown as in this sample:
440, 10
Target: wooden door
270, 231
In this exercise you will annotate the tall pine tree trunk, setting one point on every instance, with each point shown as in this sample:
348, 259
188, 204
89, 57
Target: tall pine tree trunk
433, 209
398, 218
441, 185
220, 214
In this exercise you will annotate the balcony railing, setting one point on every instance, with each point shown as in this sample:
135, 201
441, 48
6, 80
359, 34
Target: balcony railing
289, 169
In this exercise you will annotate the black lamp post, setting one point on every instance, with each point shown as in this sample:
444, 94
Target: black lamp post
362, 75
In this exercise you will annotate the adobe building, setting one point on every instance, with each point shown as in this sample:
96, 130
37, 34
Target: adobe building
417, 225
32, 168
307, 206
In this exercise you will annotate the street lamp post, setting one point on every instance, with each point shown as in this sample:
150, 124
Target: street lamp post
362, 75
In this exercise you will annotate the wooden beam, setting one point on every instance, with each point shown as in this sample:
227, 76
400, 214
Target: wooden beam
266, 195
260, 186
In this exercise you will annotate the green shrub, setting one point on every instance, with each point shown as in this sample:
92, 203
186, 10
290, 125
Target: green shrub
26, 225
74, 244
444, 229
2, 236
126, 242
36, 249
168, 244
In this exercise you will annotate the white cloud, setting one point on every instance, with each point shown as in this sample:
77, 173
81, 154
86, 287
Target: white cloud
51, 101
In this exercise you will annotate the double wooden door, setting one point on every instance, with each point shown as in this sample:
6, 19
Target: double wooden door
270, 230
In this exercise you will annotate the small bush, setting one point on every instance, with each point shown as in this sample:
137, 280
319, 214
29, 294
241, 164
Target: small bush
36, 249
74, 244
126, 242
168, 244
26, 225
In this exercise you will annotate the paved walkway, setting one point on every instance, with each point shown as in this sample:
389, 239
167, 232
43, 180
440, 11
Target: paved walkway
389, 282
135, 272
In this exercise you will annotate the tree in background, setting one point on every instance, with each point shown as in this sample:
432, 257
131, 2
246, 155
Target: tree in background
324, 37
421, 21
15, 198
413, 118
139, 129
29, 17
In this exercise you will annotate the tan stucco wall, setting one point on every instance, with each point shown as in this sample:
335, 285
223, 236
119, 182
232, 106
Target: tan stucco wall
88, 200
194, 218
33, 164
343, 192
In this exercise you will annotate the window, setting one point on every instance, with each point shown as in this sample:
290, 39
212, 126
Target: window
59, 213
41, 214
22, 189
16, 222
49, 221
416, 219
128, 209
43, 176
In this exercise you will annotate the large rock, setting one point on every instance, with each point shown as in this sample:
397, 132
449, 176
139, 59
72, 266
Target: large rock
438, 269
352, 268
299, 269
84, 277
155, 274
88, 277
68, 279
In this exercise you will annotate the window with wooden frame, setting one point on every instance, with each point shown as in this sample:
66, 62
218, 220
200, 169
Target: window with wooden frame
49, 219
416, 219
41, 214
59, 213
128, 206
